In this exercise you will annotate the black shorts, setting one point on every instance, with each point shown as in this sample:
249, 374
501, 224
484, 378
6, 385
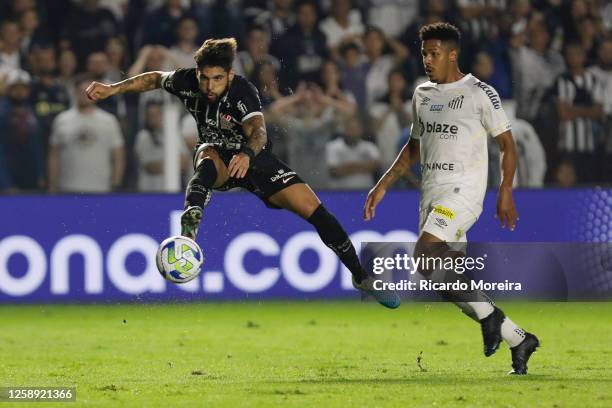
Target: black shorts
267, 175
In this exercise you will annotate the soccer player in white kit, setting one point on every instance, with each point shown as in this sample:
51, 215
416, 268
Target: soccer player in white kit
453, 114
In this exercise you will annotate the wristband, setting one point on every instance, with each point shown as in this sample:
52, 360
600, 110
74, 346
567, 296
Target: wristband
249, 152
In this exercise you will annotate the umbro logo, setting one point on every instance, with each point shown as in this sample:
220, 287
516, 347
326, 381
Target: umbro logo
425, 101
457, 102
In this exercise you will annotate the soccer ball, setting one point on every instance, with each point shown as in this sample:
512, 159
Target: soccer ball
179, 259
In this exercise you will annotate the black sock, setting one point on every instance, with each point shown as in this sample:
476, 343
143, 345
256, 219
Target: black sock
199, 189
334, 236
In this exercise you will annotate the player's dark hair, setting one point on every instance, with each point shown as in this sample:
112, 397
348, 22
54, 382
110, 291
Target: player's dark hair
445, 32
216, 53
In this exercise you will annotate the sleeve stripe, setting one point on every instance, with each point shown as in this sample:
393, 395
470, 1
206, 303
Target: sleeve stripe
250, 115
165, 76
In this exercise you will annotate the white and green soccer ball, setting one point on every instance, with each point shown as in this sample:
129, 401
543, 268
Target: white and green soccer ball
179, 259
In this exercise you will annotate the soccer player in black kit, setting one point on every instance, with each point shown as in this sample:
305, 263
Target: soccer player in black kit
234, 151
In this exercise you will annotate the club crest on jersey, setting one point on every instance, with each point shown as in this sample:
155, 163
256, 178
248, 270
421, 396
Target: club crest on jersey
225, 121
456, 103
436, 108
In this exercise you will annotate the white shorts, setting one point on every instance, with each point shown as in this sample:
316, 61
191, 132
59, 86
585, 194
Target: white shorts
446, 218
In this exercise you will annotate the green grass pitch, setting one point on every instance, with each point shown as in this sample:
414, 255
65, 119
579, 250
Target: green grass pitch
303, 354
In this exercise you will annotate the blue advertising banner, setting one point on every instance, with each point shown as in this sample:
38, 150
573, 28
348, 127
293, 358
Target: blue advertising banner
101, 248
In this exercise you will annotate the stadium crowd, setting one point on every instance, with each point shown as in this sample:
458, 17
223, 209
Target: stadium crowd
335, 79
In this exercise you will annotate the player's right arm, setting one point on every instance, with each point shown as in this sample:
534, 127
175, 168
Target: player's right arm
139, 83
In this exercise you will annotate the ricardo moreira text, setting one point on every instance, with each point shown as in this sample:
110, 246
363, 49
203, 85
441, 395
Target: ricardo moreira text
413, 264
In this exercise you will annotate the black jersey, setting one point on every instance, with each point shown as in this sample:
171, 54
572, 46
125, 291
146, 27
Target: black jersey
219, 123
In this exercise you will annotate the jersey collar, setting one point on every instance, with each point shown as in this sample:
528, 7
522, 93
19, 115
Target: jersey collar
451, 85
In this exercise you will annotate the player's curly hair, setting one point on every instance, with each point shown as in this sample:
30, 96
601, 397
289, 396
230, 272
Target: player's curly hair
216, 53
444, 32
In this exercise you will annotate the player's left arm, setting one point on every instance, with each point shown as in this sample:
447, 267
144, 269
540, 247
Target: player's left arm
506, 210
254, 128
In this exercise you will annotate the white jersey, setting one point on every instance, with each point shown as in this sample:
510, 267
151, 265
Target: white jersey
452, 122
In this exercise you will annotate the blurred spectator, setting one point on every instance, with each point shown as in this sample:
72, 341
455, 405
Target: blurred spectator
392, 16
380, 63
354, 72
67, 69
98, 69
10, 46
5, 179
578, 107
588, 37
87, 29
565, 175
32, 31
332, 86
390, 115
86, 150
189, 134
351, 160
116, 55
265, 78
48, 97
158, 27
257, 47
310, 118
20, 134
487, 71
531, 158
277, 18
603, 73
152, 58
343, 25
220, 19
186, 42
478, 20
302, 49
149, 151
534, 69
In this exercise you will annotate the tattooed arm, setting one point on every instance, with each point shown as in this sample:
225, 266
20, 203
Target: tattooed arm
139, 83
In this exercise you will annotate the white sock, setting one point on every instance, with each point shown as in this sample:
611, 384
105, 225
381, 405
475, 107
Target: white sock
511, 333
481, 309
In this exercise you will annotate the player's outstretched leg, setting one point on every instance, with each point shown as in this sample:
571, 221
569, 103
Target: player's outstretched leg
495, 325
209, 171
300, 199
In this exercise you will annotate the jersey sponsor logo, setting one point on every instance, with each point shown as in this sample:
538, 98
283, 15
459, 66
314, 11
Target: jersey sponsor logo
490, 94
189, 94
444, 130
286, 180
438, 166
425, 101
456, 103
436, 108
441, 223
444, 211
242, 107
282, 175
